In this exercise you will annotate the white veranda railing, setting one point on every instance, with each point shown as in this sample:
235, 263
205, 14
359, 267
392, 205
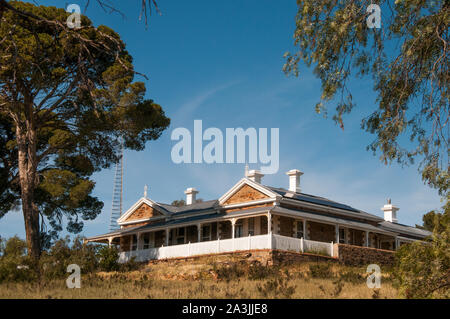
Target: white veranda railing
270, 241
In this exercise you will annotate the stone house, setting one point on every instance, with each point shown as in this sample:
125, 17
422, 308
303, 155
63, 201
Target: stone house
250, 217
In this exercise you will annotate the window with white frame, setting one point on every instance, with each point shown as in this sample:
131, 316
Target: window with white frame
134, 242
146, 240
342, 234
299, 230
238, 229
180, 235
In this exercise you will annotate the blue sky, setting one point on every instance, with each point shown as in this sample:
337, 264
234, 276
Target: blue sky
221, 62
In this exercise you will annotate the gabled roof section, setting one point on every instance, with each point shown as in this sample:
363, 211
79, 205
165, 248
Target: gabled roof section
143, 201
249, 189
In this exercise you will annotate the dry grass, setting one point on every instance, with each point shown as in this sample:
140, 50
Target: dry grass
202, 280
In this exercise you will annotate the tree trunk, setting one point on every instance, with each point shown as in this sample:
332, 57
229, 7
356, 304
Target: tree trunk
26, 142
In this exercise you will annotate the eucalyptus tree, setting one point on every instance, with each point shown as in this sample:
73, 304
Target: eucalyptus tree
67, 98
407, 61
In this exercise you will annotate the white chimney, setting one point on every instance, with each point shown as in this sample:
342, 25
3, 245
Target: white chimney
390, 212
191, 194
294, 180
255, 175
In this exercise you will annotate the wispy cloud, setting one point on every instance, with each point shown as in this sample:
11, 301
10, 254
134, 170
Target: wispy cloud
188, 108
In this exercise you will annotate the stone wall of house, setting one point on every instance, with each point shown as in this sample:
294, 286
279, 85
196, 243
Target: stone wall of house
321, 232
245, 194
125, 243
286, 226
143, 211
288, 257
263, 224
264, 256
355, 255
225, 230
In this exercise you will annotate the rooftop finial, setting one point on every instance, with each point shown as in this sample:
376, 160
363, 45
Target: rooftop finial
246, 170
389, 200
145, 191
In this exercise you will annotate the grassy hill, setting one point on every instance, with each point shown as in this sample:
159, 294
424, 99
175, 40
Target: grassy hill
209, 278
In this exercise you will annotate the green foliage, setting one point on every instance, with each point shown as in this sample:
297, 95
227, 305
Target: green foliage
179, 203
257, 271
14, 264
67, 98
53, 262
423, 268
130, 265
228, 272
9, 198
107, 258
182, 202
408, 61
431, 220
14, 247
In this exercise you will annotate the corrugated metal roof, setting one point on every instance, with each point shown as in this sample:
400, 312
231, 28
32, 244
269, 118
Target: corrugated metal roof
412, 231
200, 206
169, 223
116, 232
182, 221
312, 199
333, 220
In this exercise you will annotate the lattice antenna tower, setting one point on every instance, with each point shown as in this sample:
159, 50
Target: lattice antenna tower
116, 209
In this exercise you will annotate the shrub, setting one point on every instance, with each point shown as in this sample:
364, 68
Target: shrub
337, 289
14, 246
130, 265
277, 287
422, 269
257, 271
14, 264
352, 277
54, 262
228, 272
321, 271
108, 258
